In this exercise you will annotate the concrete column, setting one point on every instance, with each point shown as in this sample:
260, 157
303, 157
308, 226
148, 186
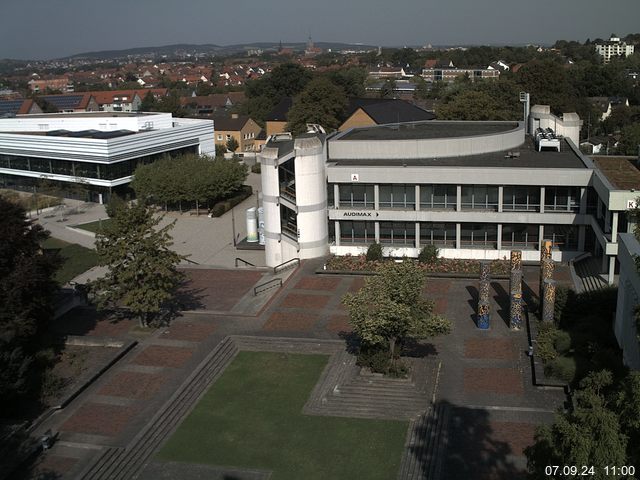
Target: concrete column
458, 198
612, 269
500, 199
614, 228
336, 195
376, 200
417, 234
499, 244
337, 232
583, 201
377, 229
540, 236
541, 202
581, 237
417, 197
605, 261
607, 221
458, 235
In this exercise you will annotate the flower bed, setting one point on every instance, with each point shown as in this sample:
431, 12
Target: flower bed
441, 265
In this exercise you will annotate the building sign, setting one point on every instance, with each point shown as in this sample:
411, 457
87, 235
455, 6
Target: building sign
355, 177
631, 204
359, 214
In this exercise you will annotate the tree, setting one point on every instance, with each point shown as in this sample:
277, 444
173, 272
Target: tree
388, 88
390, 309
142, 276
320, 102
149, 103
220, 150
548, 83
630, 141
27, 292
232, 144
593, 433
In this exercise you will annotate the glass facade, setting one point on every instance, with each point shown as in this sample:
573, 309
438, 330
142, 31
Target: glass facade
438, 197
398, 233
479, 235
357, 233
355, 195
397, 196
521, 199
564, 237
562, 199
440, 234
479, 197
520, 236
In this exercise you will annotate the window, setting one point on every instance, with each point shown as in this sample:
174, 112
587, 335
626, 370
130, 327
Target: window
220, 137
397, 196
440, 234
228, 137
355, 195
520, 236
479, 197
479, 235
562, 199
564, 237
360, 233
521, 198
438, 197
398, 233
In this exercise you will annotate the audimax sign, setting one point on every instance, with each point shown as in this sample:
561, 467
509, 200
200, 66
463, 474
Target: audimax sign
359, 214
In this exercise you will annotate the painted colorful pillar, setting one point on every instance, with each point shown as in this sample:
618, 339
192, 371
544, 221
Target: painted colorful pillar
515, 297
548, 306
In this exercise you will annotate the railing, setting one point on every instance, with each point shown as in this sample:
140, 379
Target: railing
191, 261
263, 287
249, 264
285, 265
582, 256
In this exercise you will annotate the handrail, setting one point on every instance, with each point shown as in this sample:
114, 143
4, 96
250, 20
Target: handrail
238, 259
286, 264
580, 257
191, 261
267, 285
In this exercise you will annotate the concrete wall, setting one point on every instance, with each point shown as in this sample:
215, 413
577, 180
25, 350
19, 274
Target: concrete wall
628, 299
567, 126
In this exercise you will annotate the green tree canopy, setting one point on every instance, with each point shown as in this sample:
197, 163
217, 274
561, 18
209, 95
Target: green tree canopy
390, 308
320, 102
232, 144
142, 276
27, 291
630, 141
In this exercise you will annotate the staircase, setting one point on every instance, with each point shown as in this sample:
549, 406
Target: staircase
588, 272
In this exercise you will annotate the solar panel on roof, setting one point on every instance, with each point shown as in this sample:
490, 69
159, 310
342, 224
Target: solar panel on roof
10, 106
66, 102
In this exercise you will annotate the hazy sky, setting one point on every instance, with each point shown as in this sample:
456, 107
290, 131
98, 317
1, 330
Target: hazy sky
42, 29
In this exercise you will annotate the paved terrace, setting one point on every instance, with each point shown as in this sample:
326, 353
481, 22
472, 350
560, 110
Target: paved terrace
470, 400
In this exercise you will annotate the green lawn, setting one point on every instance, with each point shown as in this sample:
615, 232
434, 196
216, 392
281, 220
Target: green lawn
76, 259
252, 418
94, 226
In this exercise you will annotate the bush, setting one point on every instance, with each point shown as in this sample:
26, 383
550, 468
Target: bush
546, 336
428, 254
218, 210
374, 252
562, 342
562, 368
256, 168
376, 359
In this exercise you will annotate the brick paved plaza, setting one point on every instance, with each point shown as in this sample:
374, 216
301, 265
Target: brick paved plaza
484, 393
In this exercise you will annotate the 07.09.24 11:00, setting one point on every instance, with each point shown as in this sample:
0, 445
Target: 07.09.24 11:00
588, 470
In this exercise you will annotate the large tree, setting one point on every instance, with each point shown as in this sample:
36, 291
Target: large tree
142, 276
27, 292
389, 309
320, 102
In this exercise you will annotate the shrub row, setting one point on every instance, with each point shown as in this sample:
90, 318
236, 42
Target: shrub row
224, 206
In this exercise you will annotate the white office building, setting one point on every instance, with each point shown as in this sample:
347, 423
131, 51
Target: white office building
614, 48
473, 189
99, 150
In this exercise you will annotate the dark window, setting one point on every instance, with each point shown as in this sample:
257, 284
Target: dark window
397, 196
438, 197
357, 232
564, 237
521, 198
479, 197
520, 236
561, 199
479, 235
398, 233
441, 234
356, 196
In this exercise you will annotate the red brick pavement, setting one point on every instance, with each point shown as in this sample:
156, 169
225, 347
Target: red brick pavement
516, 435
499, 381
162, 356
441, 306
357, 284
53, 466
220, 289
494, 348
291, 322
437, 287
298, 300
86, 321
133, 385
189, 331
99, 419
318, 283
339, 323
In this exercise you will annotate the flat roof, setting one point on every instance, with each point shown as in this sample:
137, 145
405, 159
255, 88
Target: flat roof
529, 158
427, 130
89, 114
621, 172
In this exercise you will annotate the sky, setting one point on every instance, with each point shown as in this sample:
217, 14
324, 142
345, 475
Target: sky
45, 29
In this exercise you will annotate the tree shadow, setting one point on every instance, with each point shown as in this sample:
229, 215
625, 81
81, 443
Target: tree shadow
22, 457
418, 349
502, 300
460, 442
352, 342
189, 298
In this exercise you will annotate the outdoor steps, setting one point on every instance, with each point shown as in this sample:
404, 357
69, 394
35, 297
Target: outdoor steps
588, 270
119, 463
426, 445
278, 344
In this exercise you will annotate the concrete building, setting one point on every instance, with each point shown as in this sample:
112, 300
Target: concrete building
473, 189
240, 127
99, 151
613, 48
626, 327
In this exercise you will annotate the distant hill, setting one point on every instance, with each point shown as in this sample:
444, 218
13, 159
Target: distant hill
208, 49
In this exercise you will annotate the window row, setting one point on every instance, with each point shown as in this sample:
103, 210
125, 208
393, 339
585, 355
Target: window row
444, 197
521, 236
110, 171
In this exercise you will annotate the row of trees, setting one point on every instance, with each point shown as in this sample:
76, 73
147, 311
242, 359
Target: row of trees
190, 179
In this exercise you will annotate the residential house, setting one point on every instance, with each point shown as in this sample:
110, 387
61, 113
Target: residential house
613, 48
276, 120
240, 127
366, 112
21, 106
607, 104
73, 102
209, 104
125, 100
62, 84
448, 72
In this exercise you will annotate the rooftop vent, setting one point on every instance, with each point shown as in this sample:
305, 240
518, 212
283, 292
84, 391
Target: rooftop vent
279, 137
547, 139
